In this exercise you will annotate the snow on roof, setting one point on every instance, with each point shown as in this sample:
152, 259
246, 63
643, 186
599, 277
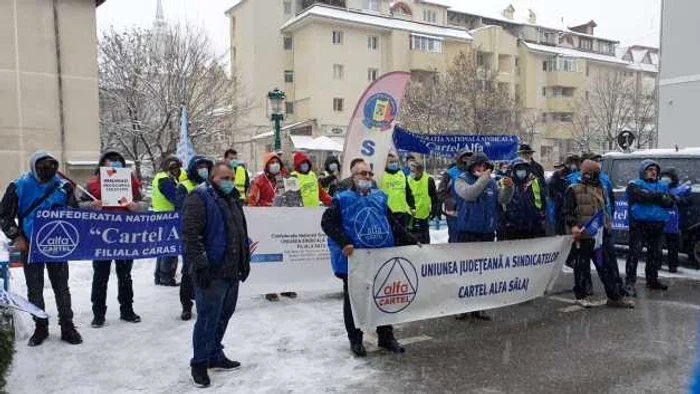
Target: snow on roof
343, 15
574, 53
649, 153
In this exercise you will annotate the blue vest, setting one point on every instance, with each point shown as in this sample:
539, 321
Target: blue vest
673, 226
573, 178
364, 222
30, 190
216, 230
480, 216
649, 212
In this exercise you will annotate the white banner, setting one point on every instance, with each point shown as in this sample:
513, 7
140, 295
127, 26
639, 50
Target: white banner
410, 283
116, 186
289, 251
14, 301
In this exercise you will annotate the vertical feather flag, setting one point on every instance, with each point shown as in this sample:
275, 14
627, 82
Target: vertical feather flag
185, 150
595, 227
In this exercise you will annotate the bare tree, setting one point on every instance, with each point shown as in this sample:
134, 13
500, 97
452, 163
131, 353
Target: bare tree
643, 121
464, 98
605, 111
529, 121
146, 78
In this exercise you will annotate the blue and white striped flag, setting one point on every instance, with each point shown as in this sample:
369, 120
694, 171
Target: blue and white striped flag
185, 150
595, 227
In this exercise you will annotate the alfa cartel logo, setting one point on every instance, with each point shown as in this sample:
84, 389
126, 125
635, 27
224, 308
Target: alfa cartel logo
395, 285
380, 111
372, 228
57, 239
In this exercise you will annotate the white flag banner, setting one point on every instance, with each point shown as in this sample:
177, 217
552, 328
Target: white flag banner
411, 283
13, 301
289, 251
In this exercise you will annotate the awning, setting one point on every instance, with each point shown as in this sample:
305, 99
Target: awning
322, 143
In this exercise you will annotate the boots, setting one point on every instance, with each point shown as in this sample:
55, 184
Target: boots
69, 334
387, 341
356, 345
200, 375
186, 314
41, 332
129, 316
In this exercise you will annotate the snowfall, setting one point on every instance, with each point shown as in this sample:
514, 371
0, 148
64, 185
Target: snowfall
293, 346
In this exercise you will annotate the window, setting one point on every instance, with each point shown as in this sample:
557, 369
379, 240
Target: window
480, 59
373, 5
548, 37
557, 117
560, 63
288, 43
287, 7
337, 37
289, 76
338, 71
561, 91
430, 16
585, 44
338, 104
289, 107
372, 74
426, 44
372, 42
607, 48
544, 92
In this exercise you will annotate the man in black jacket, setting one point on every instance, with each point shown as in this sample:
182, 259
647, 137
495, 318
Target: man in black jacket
216, 250
362, 190
526, 153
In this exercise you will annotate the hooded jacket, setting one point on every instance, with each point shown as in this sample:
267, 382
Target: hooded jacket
311, 191
649, 201
264, 186
329, 182
94, 183
27, 190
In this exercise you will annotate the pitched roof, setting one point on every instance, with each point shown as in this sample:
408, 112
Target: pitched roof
349, 16
574, 53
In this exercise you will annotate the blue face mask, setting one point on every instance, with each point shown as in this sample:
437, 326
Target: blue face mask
203, 173
226, 186
333, 167
234, 163
115, 164
304, 167
521, 174
393, 166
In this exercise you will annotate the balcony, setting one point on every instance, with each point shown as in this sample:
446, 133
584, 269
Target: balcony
561, 104
427, 61
565, 78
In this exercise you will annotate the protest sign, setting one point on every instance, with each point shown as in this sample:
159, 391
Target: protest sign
289, 251
14, 301
410, 283
496, 147
68, 234
620, 219
115, 186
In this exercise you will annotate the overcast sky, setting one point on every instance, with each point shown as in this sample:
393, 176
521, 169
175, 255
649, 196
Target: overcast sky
629, 21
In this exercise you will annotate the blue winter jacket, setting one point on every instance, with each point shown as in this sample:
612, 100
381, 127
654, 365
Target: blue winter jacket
650, 209
365, 222
216, 230
480, 216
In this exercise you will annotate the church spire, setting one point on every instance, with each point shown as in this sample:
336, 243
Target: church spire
159, 24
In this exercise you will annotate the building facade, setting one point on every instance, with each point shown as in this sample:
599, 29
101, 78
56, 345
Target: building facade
324, 56
48, 84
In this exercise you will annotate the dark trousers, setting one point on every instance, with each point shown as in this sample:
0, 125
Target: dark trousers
125, 288
355, 334
166, 268
58, 275
651, 236
463, 237
215, 306
421, 230
512, 234
673, 245
452, 231
583, 252
186, 288
403, 219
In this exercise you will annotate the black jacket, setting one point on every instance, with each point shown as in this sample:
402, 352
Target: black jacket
332, 225
236, 262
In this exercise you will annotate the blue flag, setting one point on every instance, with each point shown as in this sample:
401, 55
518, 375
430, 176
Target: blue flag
595, 227
185, 150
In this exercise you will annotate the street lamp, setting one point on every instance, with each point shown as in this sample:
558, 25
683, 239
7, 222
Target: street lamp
276, 101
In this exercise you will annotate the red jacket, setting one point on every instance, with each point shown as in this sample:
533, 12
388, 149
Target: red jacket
93, 185
264, 187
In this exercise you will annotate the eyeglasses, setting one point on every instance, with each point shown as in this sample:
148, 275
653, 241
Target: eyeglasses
365, 173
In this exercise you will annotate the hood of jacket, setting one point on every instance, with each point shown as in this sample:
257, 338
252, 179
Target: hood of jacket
267, 157
192, 168
299, 158
35, 157
645, 165
107, 154
330, 160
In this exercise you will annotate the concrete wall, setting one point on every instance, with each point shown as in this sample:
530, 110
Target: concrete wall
31, 103
679, 80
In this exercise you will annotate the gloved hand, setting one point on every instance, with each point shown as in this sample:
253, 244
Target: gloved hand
202, 278
243, 272
667, 201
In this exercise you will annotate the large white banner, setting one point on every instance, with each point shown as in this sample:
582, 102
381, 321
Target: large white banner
410, 283
289, 251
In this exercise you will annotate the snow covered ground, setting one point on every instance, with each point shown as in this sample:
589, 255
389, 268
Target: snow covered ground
294, 346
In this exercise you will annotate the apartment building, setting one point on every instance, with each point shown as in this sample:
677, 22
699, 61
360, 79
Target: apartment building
325, 53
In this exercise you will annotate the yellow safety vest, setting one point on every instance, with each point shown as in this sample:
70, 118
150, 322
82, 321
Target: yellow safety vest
158, 201
419, 188
241, 175
308, 184
394, 185
537, 192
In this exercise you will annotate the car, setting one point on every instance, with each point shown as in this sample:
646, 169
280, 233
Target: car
624, 167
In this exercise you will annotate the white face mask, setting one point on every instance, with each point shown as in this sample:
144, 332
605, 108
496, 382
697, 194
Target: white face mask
666, 179
274, 168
